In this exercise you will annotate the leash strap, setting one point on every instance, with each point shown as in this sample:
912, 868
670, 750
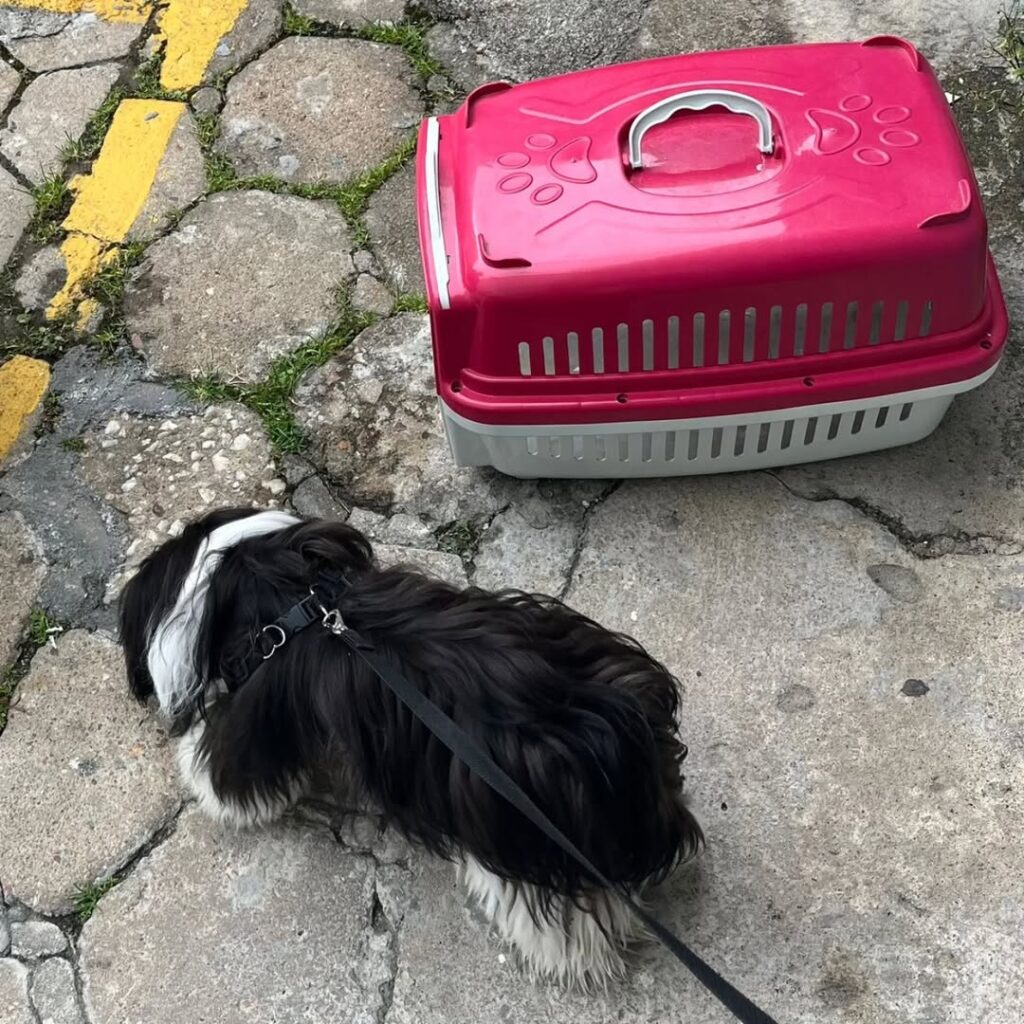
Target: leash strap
466, 749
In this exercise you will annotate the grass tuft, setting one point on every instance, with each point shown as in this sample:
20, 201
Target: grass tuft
207, 129
270, 399
108, 285
87, 898
53, 200
89, 143
146, 82
1010, 42
409, 303
295, 24
51, 410
458, 538
411, 37
74, 444
7, 686
41, 627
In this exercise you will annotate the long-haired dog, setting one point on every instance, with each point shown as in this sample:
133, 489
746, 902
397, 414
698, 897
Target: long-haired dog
584, 721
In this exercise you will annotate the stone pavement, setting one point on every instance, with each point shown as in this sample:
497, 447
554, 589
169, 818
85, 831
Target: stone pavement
213, 296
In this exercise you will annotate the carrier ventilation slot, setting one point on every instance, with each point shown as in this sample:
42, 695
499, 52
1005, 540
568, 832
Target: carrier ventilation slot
715, 443
663, 344
800, 335
723, 339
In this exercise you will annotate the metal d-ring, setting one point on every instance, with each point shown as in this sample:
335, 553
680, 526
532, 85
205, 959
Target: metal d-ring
274, 644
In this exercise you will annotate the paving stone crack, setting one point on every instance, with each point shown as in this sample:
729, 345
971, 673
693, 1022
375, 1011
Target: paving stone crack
581, 536
924, 546
379, 921
73, 924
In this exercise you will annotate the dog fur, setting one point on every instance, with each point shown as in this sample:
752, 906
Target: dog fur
584, 720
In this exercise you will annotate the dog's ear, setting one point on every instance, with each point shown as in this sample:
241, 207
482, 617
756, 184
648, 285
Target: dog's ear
150, 595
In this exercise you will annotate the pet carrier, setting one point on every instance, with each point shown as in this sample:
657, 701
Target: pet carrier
705, 263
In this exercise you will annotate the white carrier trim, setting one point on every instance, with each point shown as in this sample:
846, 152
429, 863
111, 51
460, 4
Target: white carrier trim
709, 444
439, 257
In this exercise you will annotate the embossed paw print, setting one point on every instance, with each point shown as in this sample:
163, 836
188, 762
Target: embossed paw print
836, 131
569, 163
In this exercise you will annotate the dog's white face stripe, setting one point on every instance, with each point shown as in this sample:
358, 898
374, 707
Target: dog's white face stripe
171, 654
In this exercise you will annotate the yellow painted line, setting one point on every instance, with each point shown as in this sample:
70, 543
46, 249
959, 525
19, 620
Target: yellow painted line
23, 382
83, 257
132, 12
192, 30
109, 199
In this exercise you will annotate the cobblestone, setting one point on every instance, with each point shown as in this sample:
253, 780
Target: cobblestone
319, 109
54, 996
73, 812
244, 278
22, 568
17, 206
352, 13
53, 108
35, 39
14, 1004
34, 940
161, 473
391, 222
9, 81
372, 414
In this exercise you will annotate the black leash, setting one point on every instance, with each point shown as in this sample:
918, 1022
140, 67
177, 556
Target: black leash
467, 750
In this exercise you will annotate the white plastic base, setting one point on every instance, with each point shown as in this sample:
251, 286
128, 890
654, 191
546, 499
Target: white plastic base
715, 444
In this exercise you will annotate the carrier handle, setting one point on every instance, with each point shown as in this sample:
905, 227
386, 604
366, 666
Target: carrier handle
699, 99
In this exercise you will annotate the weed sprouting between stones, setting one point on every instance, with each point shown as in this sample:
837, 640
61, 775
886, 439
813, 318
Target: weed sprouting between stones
87, 898
1010, 40
410, 303
270, 399
52, 199
458, 538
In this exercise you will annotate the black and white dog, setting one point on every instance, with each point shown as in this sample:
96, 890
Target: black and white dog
581, 718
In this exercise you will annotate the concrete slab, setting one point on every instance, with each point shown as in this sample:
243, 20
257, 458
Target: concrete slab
274, 925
